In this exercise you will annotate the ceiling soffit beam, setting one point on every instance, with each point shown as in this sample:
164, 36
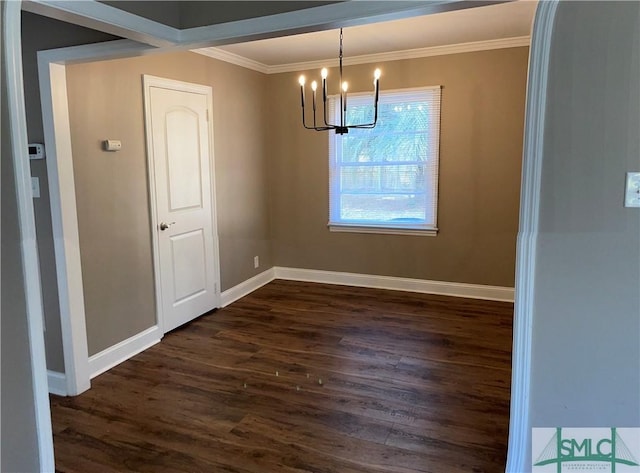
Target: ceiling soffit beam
336, 15
101, 17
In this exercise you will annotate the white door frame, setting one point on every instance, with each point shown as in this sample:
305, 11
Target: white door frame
12, 53
64, 217
55, 108
519, 419
153, 81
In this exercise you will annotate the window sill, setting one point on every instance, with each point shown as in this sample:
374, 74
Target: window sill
382, 230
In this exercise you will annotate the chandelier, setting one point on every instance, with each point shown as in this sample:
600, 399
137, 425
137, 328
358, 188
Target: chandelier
342, 127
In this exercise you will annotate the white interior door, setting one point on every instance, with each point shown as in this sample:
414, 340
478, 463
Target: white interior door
179, 140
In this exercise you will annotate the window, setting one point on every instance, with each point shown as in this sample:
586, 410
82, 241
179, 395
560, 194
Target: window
385, 179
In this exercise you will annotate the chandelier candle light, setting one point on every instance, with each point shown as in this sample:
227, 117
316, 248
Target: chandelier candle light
342, 128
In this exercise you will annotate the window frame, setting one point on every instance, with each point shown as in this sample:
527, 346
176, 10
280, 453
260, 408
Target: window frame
406, 228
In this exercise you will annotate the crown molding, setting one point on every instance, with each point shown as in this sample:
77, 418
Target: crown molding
474, 46
222, 55
407, 54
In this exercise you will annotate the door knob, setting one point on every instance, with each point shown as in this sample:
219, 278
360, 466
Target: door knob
164, 226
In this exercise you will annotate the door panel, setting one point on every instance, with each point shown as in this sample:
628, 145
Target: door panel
183, 159
188, 255
180, 147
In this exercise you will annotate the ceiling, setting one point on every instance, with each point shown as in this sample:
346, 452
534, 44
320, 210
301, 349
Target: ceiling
183, 14
484, 23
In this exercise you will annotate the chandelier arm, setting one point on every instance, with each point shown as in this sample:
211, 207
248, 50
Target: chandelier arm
304, 123
375, 105
324, 100
315, 127
324, 108
327, 123
371, 124
341, 128
375, 116
368, 125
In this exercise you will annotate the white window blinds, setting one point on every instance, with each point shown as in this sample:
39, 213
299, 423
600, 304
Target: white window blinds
387, 177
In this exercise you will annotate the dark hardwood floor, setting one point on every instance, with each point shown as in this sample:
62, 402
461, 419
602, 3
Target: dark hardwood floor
301, 377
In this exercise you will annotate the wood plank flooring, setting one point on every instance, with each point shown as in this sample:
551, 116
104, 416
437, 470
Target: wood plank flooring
301, 377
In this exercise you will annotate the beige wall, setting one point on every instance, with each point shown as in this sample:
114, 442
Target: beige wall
483, 98
106, 101
51, 34
271, 179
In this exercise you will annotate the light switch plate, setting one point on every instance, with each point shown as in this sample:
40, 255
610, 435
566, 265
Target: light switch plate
632, 190
35, 187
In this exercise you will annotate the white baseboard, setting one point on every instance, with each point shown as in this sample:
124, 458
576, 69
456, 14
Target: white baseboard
472, 291
116, 354
57, 383
246, 287
112, 356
